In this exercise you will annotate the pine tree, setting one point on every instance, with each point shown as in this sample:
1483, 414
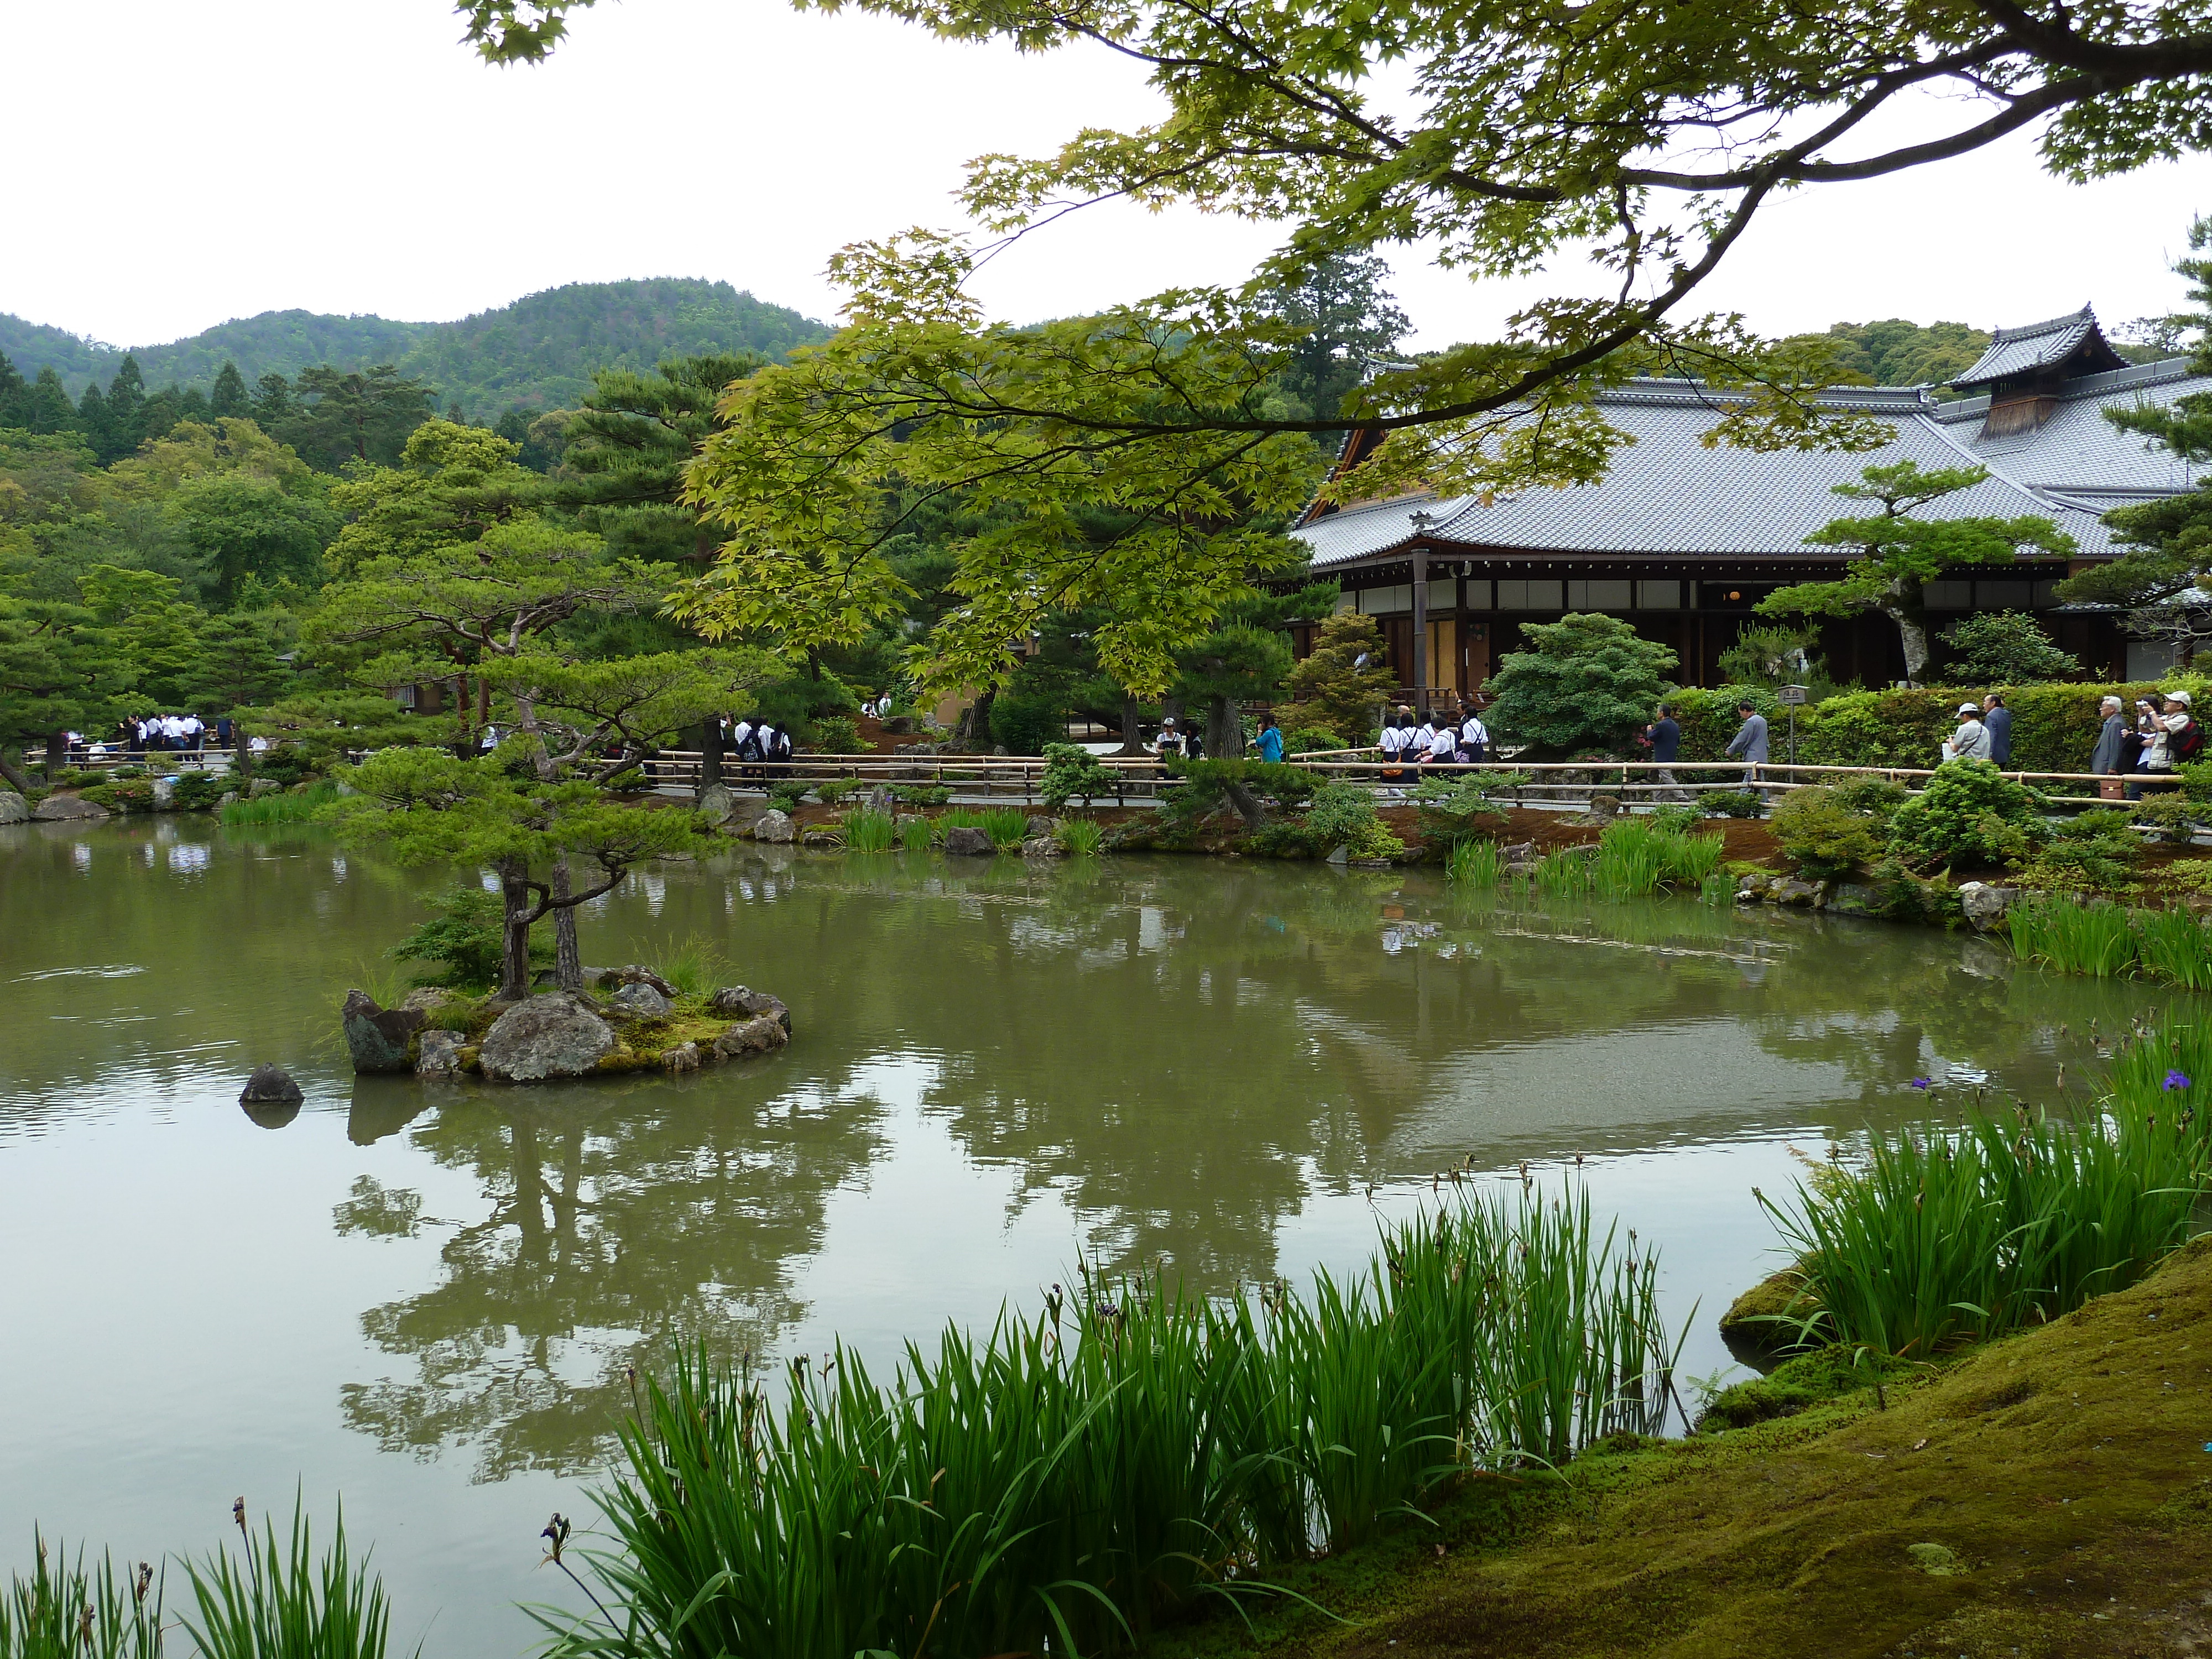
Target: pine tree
15, 396
92, 421
51, 411
271, 404
126, 409
229, 397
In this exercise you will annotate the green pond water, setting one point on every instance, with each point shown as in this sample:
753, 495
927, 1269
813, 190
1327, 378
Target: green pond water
425, 1299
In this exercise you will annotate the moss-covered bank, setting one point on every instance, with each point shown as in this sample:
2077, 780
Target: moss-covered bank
2047, 1494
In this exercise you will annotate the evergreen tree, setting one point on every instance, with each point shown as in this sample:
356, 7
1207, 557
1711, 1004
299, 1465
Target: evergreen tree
1587, 682
126, 409
229, 397
92, 421
362, 417
628, 445
271, 404
15, 396
49, 405
1345, 319
1342, 685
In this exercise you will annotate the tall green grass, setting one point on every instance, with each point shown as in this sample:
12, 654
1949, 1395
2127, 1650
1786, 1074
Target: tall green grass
283, 1602
2073, 938
914, 835
1474, 864
1080, 836
1942, 1237
66, 1611
869, 831
1636, 858
280, 807
1562, 874
1074, 1480
694, 967
2176, 947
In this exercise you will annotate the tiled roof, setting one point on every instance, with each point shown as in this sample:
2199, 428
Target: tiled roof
2017, 350
1667, 495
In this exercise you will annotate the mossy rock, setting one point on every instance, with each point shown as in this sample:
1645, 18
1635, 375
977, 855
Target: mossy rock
1760, 1326
1809, 1380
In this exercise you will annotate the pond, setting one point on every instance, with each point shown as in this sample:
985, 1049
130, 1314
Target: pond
427, 1299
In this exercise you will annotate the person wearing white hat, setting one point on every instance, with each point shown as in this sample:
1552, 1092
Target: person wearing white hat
1169, 743
1972, 740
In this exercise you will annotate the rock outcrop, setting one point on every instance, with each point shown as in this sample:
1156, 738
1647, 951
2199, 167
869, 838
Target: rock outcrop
13, 809
739, 1002
63, 809
773, 826
717, 804
1985, 905
379, 1039
437, 1053
641, 1001
684, 1057
968, 842
763, 1034
547, 1037
270, 1085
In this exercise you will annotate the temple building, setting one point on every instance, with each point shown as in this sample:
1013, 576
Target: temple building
1681, 540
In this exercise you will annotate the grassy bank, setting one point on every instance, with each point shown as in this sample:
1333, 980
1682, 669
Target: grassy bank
2047, 1495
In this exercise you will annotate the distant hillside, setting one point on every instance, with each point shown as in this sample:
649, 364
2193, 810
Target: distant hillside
538, 353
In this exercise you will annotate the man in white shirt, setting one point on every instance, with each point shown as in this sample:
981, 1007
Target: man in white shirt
1972, 740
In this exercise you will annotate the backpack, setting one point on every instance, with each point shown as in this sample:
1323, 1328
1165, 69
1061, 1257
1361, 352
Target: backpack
2187, 743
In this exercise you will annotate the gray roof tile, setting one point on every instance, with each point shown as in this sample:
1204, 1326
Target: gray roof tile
2017, 350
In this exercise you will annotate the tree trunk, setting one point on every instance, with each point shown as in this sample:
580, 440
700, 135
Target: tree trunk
974, 727
1132, 743
1903, 607
1247, 804
710, 754
57, 755
11, 768
1224, 731
514, 959
568, 960
241, 756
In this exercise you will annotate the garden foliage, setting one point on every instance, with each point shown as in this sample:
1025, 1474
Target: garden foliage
1073, 773
1970, 813
1588, 682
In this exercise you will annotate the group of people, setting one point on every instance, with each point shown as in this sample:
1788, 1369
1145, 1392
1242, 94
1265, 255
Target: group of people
757, 743
177, 733
1438, 739
2162, 736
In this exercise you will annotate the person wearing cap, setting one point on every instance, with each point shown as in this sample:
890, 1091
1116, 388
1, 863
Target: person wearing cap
2176, 740
1972, 740
1996, 719
1169, 744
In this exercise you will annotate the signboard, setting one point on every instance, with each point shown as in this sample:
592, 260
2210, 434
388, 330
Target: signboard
1789, 695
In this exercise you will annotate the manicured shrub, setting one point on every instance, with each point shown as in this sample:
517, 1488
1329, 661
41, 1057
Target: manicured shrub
197, 792
2172, 816
1338, 690
1073, 773
837, 734
2095, 849
1461, 805
1709, 720
1588, 681
1824, 837
1314, 739
1969, 813
1733, 804
2005, 647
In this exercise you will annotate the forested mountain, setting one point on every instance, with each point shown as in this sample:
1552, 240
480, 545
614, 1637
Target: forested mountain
1894, 352
538, 353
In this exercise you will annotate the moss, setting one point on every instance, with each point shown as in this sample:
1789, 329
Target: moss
2063, 1468
1755, 1319
1809, 1380
466, 1054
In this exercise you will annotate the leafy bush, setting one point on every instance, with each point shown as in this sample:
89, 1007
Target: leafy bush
465, 938
1589, 681
1339, 815
2006, 648
837, 734
1732, 804
1025, 724
286, 766
2092, 849
1210, 785
2172, 816
1461, 805
1314, 739
833, 793
1824, 837
785, 797
1073, 772
921, 794
1969, 813
132, 795
197, 792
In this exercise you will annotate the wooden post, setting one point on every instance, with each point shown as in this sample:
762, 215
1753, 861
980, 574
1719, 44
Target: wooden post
1421, 522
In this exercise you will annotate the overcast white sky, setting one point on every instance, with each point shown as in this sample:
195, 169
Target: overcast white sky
208, 160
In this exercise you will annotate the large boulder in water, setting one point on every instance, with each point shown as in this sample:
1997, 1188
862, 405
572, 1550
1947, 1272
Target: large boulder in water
378, 1037
761, 1035
61, 809
13, 809
966, 840
774, 826
552, 1035
737, 1002
270, 1085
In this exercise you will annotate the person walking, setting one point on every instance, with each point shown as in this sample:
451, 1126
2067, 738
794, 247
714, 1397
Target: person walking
1749, 742
1665, 736
1997, 720
2109, 758
1972, 740
1271, 740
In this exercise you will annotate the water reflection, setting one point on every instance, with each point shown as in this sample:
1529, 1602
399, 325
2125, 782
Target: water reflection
1154, 1060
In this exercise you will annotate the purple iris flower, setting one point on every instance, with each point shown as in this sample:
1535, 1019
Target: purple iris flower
1920, 1082
2176, 1080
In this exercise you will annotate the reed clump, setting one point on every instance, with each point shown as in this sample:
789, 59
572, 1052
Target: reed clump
2105, 940
1638, 857
868, 831
300, 806
68, 1610
1076, 1479
1080, 837
1474, 864
1941, 1237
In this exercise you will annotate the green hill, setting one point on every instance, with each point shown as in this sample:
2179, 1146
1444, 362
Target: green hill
536, 353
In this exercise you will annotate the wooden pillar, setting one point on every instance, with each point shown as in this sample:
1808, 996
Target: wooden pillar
1420, 618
